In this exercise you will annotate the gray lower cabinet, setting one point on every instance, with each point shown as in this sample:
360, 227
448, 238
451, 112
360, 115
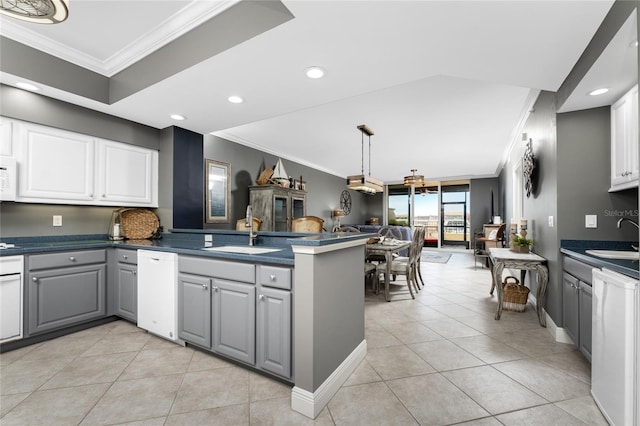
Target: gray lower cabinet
194, 309
65, 288
274, 331
127, 292
239, 310
234, 319
576, 303
571, 310
586, 319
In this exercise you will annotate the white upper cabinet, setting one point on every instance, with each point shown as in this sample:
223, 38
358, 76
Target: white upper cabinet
61, 167
624, 142
53, 165
6, 138
127, 174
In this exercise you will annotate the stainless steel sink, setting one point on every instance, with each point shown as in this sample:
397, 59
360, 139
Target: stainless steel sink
615, 254
243, 249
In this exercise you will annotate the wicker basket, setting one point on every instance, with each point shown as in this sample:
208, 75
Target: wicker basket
514, 295
138, 224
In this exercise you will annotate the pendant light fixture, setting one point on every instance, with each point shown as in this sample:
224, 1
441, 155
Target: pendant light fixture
37, 11
365, 183
414, 180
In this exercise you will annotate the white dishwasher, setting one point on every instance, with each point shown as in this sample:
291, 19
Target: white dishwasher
615, 352
157, 293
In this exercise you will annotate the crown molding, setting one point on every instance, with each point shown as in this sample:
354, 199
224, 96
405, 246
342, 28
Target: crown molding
176, 25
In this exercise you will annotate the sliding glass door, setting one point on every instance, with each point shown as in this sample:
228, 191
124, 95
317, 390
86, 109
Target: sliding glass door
455, 215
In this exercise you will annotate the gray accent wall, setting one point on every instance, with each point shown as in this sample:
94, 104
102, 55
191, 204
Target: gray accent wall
480, 191
584, 179
323, 189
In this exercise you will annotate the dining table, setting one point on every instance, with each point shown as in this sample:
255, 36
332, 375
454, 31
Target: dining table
387, 247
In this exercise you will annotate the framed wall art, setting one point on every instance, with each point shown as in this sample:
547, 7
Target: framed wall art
217, 178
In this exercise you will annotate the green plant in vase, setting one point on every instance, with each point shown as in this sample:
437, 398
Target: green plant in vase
520, 244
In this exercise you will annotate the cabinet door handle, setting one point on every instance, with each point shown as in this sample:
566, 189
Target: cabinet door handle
205, 286
214, 288
134, 272
72, 259
272, 277
262, 297
34, 279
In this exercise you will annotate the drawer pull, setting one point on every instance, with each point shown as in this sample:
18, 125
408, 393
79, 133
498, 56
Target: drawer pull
134, 272
124, 256
272, 277
72, 259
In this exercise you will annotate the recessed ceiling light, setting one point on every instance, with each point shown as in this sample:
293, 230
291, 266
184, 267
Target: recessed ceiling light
27, 86
178, 117
315, 72
598, 91
235, 99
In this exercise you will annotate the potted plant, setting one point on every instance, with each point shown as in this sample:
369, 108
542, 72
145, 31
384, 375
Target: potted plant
520, 244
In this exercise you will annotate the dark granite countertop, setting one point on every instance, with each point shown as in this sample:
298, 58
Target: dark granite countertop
578, 250
190, 242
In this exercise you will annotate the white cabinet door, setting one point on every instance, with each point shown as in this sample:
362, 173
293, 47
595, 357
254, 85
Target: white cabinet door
54, 166
127, 175
6, 139
624, 142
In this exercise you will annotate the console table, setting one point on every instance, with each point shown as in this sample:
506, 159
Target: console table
504, 258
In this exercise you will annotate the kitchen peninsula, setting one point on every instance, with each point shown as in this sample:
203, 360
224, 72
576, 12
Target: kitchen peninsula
325, 271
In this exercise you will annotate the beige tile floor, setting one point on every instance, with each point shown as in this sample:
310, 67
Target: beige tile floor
440, 359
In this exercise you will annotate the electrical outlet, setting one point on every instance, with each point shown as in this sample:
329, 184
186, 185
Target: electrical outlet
591, 221
550, 221
57, 220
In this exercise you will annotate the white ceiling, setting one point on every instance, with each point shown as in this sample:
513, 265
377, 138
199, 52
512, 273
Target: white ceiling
443, 84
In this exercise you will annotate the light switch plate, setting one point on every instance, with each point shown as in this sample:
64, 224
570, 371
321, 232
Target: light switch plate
57, 220
550, 221
591, 221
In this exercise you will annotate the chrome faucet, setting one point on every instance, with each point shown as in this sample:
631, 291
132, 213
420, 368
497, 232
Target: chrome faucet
626, 219
249, 224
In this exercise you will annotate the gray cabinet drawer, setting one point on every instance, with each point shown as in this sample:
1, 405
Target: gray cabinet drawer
127, 256
580, 270
209, 267
273, 276
67, 258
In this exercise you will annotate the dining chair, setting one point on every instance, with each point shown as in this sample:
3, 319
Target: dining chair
241, 224
307, 224
418, 241
403, 267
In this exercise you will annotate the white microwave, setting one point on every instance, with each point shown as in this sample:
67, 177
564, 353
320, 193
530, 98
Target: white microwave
8, 179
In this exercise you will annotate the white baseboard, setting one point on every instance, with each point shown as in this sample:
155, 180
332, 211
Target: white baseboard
558, 333
311, 403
